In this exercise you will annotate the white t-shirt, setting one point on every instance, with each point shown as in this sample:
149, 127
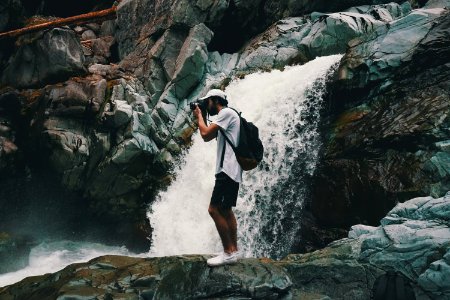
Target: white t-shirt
229, 121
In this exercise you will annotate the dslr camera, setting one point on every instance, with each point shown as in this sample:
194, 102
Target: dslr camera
202, 104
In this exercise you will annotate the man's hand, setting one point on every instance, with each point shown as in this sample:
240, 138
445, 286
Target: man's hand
197, 112
207, 132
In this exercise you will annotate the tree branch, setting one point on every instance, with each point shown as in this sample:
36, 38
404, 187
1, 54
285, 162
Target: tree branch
105, 14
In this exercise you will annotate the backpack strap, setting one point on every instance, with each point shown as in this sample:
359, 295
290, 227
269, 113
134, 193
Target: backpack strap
228, 140
223, 155
223, 151
239, 113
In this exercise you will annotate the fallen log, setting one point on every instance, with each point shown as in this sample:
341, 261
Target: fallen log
105, 14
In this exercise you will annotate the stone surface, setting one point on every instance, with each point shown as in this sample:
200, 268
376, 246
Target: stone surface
413, 239
55, 55
330, 33
14, 252
384, 118
374, 57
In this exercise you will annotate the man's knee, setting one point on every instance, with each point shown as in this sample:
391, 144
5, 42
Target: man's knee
225, 211
213, 210
219, 210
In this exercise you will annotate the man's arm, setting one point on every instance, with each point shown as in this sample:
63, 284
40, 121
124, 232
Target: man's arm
207, 132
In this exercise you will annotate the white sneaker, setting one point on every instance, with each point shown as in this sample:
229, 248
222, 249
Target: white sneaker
239, 254
223, 259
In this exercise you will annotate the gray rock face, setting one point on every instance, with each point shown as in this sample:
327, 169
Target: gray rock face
387, 129
217, 15
50, 58
374, 57
413, 239
330, 33
301, 39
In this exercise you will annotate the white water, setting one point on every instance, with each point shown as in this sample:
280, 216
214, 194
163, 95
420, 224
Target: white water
50, 257
270, 198
285, 106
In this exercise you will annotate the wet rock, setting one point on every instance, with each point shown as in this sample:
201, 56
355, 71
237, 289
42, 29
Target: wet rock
412, 239
52, 57
388, 47
88, 35
98, 50
383, 122
234, 22
14, 252
163, 278
330, 33
437, 4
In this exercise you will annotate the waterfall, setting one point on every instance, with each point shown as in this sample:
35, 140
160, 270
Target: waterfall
285, 106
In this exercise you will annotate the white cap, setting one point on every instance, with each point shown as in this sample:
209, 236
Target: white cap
215, 92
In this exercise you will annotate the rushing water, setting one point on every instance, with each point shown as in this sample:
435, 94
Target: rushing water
285, 106
49, 257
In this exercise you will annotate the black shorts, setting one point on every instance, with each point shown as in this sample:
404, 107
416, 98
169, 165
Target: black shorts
225, 191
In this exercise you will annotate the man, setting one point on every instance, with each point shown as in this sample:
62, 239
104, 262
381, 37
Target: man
228, 173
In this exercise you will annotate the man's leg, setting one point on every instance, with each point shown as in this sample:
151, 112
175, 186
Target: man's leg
222, 228
232, 226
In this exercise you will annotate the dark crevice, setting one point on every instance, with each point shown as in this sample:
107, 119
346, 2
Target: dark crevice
236, 28
228, 37
66, 8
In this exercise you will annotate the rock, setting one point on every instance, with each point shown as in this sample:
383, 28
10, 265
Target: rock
155, 278
235, 22
88, 35
383, 122
98, 50
108, 28
389, 47
330, 33
50, 58
437, 4
122, 113
412, 240
56, 55
109, 71
14, 252
191, 60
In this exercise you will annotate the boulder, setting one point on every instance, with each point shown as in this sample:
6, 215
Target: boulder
49, 57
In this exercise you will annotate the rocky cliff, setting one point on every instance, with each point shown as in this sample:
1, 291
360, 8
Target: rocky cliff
99, 113
413, 239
